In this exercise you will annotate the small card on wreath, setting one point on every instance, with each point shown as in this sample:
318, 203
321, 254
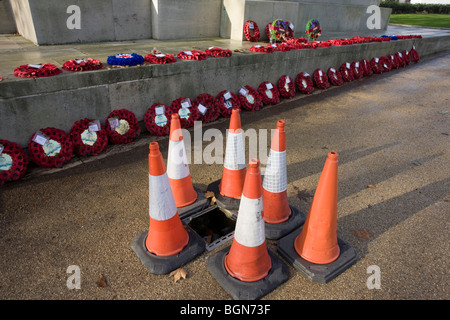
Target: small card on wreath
40, 138
94, 126
113, 122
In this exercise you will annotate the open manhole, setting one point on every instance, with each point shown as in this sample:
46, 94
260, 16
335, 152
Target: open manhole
213, 225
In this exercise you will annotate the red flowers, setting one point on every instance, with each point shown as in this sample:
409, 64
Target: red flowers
304, 83
218, 52
335, 77
160, 58
192, 55
157, 119
414, 55
249, 98
321, 79
346, 71
366, 67
357, 70
82, 65
122, 126
13, 161
50, 148
207, 106
89, 137
188, 114
286, 86
36, 71
226, 101
269, 93
375, 64
251, 31
265, 49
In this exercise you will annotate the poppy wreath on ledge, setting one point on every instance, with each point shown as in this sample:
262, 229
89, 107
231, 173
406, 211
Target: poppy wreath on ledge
192, 55
281, 47
218, 52
265, 49
268, 30
346, 71
386, 64
321, 79
406, 57
36, 70
281, 30
89, 137
207, 106
286, 86
394, 61
400, 59
160, 58
183, 106
50, 148
82, 65
269, 93
367, 69
249, 98
335, 77
251, 31
357, 69
125, 59
376, 65
304, 83
226, 101
157, 119
414, 55
13, 161
313, 30
122, 126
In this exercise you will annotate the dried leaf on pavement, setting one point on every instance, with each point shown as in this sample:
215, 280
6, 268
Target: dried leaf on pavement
178, 274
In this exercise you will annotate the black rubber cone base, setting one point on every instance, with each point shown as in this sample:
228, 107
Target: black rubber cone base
199, 204
275, 231
222, 201
322, 273
241, 290
163, 265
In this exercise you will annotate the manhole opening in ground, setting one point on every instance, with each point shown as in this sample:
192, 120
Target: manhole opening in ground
213, 225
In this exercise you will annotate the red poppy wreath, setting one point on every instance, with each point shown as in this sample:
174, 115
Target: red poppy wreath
192, 55
400, 59
36, 70
357, 69
50, 148
335, 77
394, 61
346, 71
269, 93
226, 101
251, 31
249, 98
82, 65
414, 55
207, 106
386, 63
286, 86
265, 49
321, 79
367, 69
376, 65
218, 52
13, 161
184, 107
304, 83
160, 58
89, 137
406, 56
157, 119
122, 126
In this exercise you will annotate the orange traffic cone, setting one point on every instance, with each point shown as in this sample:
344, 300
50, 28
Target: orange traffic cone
317, 243
280, 217
247, 269
167, 244
187, 199
228, 190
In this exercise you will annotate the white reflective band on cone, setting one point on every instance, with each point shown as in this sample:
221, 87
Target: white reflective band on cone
249, 230
161, 201
177, 165
235, 152
275, 176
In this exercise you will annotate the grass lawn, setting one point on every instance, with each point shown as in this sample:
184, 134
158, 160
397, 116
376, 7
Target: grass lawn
424, 20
